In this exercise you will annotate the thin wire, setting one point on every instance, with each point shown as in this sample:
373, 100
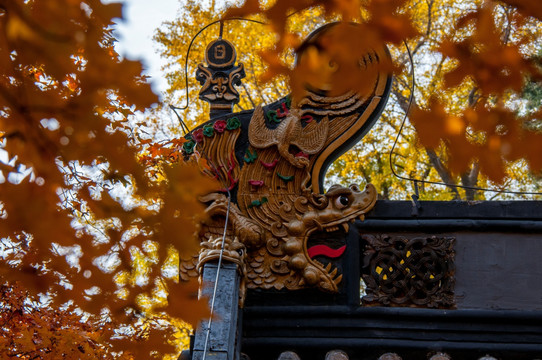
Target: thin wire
187, 130
184, 127
410, 101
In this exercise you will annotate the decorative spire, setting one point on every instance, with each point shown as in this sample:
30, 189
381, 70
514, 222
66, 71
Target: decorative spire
219, 77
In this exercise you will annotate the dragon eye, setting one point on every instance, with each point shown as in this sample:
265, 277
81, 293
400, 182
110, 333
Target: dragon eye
342, 201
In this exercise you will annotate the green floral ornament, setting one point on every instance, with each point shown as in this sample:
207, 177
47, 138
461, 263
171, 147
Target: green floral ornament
208, 130
188, 147
233, 124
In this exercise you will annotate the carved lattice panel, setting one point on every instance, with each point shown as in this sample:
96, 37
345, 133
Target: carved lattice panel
401, 271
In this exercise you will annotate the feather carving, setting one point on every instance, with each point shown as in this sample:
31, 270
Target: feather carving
309, 139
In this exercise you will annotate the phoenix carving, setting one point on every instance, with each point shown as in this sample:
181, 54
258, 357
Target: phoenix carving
308, 140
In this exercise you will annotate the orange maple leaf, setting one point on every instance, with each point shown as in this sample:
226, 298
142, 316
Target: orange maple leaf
527, 7
493, 65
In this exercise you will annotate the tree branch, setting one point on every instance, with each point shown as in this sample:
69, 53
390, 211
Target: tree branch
443, 173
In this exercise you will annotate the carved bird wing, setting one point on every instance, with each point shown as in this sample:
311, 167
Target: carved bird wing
258, 134
313, 137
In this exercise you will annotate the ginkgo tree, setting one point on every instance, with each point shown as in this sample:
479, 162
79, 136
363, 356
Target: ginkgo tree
423, 25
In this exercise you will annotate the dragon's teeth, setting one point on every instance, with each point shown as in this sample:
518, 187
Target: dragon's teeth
333, 273
345, 226
338, 279
328, 267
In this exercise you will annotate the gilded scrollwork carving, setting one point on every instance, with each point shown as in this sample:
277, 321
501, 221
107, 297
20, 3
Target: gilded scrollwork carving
233, 252
242, 227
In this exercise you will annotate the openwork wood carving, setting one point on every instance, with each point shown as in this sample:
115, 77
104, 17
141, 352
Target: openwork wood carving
405, 271
272, 160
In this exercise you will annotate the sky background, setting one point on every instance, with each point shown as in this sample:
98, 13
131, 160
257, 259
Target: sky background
142, 17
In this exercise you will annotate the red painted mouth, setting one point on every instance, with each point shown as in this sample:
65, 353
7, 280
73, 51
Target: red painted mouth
325, 251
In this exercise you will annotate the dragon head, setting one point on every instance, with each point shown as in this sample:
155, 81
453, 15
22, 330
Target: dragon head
340, 206
345, 204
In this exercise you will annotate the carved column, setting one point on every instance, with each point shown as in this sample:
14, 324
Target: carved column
223, 338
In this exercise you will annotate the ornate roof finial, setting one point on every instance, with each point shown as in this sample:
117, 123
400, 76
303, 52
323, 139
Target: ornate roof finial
219, 77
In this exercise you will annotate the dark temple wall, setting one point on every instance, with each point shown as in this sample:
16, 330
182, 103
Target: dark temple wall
498, 271
494, 251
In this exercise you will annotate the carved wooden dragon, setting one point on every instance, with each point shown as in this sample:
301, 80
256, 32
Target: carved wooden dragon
272, 161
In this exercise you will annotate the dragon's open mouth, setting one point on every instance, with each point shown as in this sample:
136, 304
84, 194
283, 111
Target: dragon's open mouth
330, 242
325, 249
